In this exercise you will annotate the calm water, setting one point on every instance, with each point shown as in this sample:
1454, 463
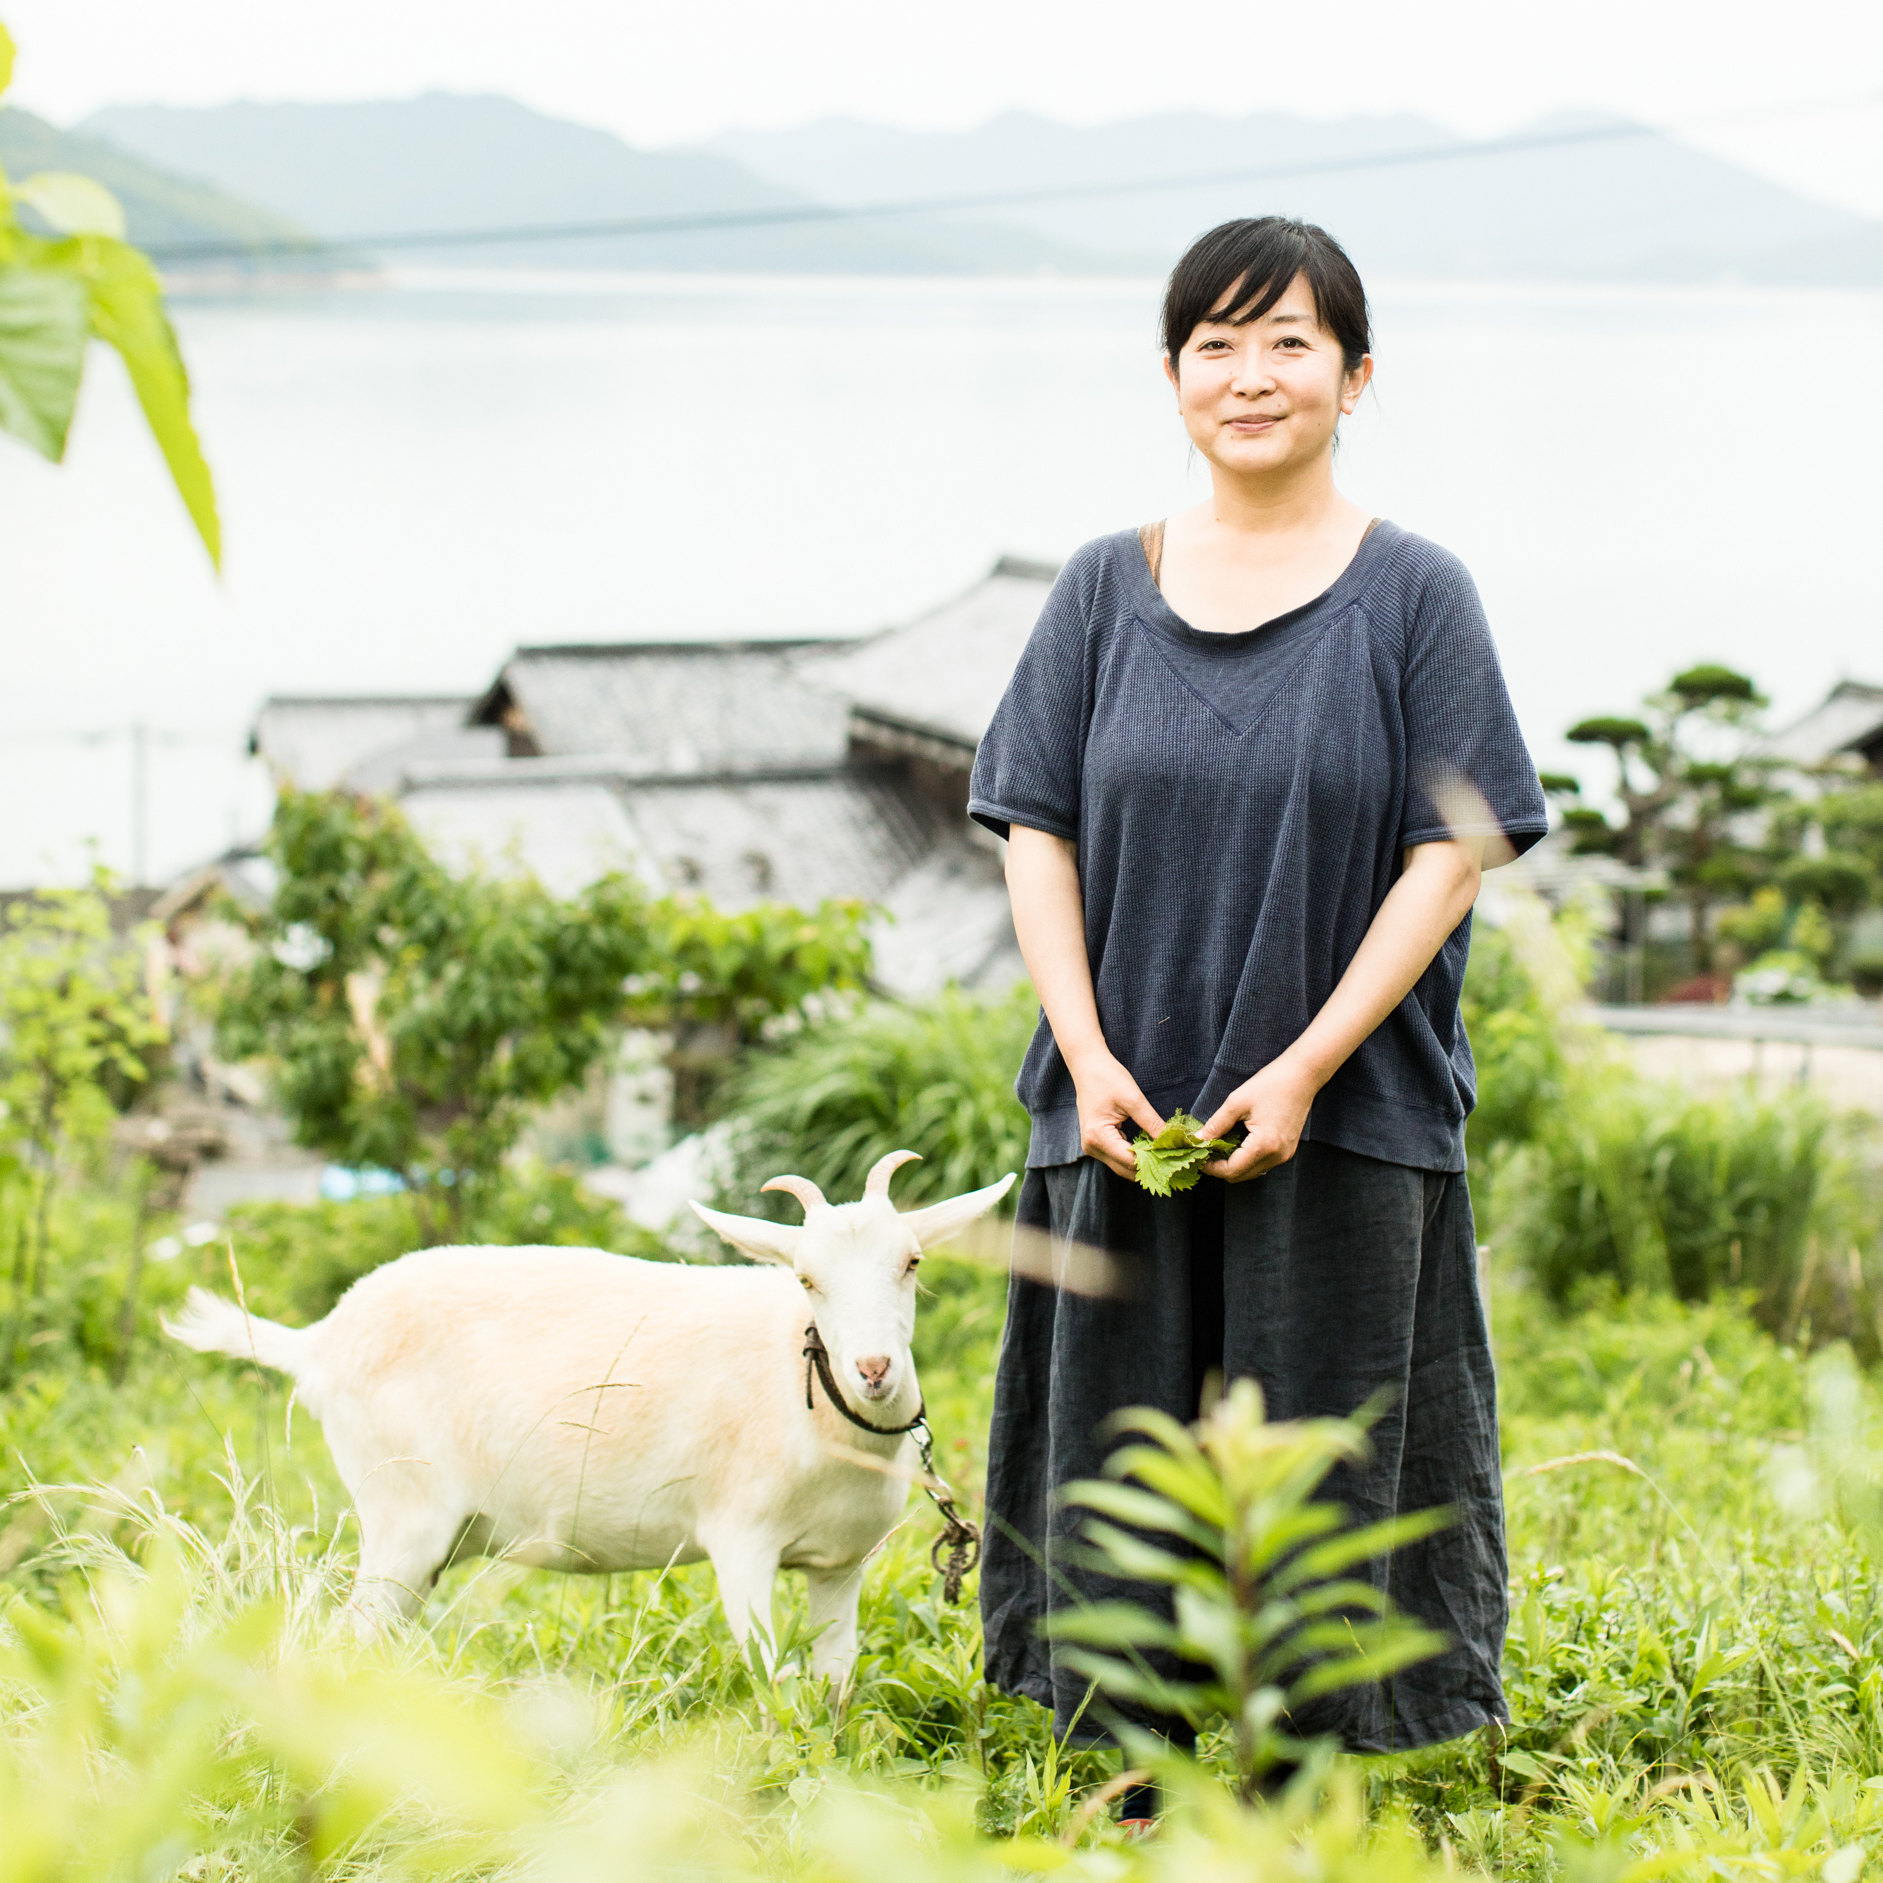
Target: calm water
415, 480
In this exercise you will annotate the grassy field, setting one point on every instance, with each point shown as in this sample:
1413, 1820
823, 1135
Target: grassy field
1693, 1661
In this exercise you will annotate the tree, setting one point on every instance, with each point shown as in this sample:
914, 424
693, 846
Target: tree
1827, 852
82, 283
74, 1015
413, 1016
1686, 779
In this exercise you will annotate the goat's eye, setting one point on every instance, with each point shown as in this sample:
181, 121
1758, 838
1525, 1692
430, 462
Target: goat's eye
806, 1283
915, 1262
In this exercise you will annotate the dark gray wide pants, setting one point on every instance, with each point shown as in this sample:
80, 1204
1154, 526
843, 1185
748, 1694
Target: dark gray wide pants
1327, 1280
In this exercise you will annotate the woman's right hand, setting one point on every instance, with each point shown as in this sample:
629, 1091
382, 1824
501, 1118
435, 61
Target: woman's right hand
1109, 1099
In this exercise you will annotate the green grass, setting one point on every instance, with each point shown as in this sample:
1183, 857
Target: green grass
1677, 1629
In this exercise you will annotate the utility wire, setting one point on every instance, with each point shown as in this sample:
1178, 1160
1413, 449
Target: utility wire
788, 214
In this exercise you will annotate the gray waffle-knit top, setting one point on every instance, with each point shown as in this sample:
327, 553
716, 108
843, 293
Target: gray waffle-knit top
1242, 804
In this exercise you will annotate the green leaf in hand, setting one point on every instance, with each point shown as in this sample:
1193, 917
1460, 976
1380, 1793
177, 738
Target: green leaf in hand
1169, 1162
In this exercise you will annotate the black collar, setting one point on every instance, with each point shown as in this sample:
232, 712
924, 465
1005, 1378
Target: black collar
817, 1361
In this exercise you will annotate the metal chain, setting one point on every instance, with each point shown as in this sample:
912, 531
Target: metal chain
959, 1538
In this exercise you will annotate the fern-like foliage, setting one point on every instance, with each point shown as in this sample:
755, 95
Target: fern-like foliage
1267, 1606
934, 1077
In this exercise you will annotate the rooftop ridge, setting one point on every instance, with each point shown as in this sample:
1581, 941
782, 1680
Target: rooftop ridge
369, 699
561, 650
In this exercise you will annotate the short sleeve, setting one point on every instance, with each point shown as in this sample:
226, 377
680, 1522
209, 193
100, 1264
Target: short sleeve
1468, 770
1031, 761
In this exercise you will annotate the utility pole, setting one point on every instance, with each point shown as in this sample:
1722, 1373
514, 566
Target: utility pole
140, 804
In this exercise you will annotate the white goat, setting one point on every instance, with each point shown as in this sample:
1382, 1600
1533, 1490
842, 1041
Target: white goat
584, 1411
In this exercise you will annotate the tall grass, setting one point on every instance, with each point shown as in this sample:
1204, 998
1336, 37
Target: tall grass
934, 1078
1591, 1176
1695, 1668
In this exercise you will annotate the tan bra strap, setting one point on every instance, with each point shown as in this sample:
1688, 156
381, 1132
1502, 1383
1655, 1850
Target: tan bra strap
1151, 537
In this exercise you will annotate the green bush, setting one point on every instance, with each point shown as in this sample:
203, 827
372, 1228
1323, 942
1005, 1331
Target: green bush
935, 1078
1517, 1041
1587, 1173
1650, 1188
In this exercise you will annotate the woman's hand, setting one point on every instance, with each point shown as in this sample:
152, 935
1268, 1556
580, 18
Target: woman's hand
1049, 920
1433, 895
1272, 1109
1108, 1098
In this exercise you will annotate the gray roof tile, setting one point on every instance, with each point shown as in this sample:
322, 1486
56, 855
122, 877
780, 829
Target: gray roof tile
944, 673
673, 709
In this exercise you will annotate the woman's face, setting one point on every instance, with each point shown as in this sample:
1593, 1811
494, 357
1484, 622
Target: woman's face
1265, 396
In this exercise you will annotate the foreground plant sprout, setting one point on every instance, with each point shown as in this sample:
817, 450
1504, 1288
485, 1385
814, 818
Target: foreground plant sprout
1264, 1594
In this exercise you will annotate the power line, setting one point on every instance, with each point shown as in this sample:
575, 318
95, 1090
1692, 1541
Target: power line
789, 214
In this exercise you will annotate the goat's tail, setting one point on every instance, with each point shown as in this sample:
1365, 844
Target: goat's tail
212, 1325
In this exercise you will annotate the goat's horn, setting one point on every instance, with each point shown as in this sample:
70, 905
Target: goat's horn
877, 1182
802, 1188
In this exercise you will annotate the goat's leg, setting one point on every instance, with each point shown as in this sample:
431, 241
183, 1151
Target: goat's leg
402, 1548
833, 1598
747, 1566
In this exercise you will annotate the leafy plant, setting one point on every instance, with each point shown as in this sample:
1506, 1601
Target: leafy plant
934, 1077
414, 1016
1686, 777
59, 293
1173, 1160
74, 1014
1265, 1604
1655, 1189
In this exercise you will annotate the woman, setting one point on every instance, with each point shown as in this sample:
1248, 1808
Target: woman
1250, 768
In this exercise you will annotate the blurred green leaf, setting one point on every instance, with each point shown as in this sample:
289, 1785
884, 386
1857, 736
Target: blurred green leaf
72, 204
43, 331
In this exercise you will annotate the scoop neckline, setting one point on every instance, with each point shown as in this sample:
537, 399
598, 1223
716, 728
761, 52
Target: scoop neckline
1155, 612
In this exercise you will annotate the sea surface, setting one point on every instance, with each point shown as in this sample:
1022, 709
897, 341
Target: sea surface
419, 476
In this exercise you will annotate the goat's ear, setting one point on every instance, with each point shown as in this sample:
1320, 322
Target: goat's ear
941, 1220
750, 1235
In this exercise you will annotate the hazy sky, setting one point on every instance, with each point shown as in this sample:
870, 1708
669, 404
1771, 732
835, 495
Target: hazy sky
675, 72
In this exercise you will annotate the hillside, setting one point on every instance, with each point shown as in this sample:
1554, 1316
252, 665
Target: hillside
1639, 208
158, 206
446, 162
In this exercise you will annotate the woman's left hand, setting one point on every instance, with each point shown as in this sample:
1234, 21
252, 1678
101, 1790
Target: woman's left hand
1272, 1108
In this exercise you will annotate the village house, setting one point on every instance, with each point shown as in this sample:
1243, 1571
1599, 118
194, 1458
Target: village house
742, 771
1846, 727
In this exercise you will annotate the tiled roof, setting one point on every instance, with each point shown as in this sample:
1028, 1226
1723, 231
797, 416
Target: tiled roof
737, 839
681, 708
317, 743
796, 839
949, 920
943, 674
565, 832
1850, 719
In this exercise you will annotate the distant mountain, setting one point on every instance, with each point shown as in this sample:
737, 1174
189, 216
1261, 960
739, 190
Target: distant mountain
448, 163
158, 206
1636, 208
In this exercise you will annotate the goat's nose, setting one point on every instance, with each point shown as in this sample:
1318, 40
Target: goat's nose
873, 1368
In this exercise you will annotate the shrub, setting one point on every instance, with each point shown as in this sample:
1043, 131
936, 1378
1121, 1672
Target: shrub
935, 1078
414, 1016
1269, 1609
1651, 1188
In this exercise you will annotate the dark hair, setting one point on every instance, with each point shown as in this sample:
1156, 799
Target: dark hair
1264, 254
